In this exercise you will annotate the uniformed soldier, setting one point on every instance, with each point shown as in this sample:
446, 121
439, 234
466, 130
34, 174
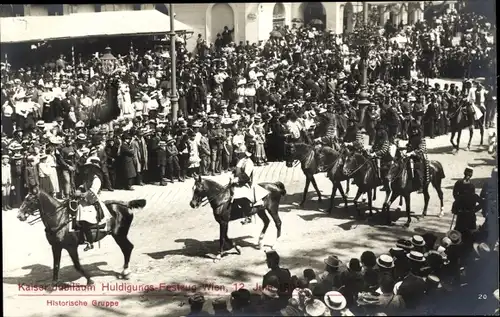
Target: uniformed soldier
93, 177
417, 149
381, 152
242, 185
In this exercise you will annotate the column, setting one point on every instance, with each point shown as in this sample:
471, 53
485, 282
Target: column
381, 12
403, 14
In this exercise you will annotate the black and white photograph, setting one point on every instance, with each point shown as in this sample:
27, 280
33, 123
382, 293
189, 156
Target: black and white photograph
249, 159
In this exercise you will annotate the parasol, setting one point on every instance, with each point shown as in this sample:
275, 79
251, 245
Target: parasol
297, 20
316, 22
276, 34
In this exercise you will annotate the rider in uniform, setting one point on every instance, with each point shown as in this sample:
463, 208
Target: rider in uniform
417, 149
93, 177
381, 151
353, 136
242, 182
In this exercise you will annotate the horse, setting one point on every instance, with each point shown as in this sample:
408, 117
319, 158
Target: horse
458, 122
400, 184
363, 170
219, 197
57, 219
310, 163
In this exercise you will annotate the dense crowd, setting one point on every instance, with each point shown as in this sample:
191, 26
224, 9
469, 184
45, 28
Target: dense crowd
231, 98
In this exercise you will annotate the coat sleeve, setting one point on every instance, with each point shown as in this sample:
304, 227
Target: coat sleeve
384, 149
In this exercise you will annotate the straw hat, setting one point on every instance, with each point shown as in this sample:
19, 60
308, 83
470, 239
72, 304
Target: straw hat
385, 261
455, 236
335, 300
416, 256
418, 241
315, 308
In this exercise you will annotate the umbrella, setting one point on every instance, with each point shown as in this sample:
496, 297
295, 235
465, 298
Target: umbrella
316, 22
276, 34
297, 20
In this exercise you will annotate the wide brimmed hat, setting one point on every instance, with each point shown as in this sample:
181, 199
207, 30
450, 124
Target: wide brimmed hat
404, 244
335, 300
385, 261
416, 256
170, 140
271, 292
17, 156
433, 282
55, 140
418, 241
455, 236
40, 123
333, 261
315, 308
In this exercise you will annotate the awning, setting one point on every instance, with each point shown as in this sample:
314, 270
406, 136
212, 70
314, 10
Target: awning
113, 23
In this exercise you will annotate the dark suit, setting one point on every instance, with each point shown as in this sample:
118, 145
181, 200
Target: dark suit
127, 166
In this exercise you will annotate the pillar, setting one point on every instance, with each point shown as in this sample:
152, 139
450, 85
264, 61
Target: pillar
403, 14
381, 13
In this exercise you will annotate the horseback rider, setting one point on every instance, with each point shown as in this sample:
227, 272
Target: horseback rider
417, 149
330, 137
380, 151
93, 177
353, 136
242, 185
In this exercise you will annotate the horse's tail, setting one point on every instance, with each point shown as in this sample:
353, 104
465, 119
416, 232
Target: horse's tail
281, 187
439, 169
136, 204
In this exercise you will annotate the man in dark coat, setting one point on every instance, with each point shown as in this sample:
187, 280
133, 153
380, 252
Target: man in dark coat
127, 162
417, 149
216, 137
466, 203
281, 275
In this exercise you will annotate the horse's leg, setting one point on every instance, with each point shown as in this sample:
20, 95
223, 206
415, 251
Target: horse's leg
387, 205
452, 137
370, 201
459, 136
126, 246
306, 188
273, 211
344, 195
332, 196
358, 194
222, 237
265, 219
313, 181
231, 244
471, 134
346, 187
436, 183
426, 199
73, 253
481, 130
56, 256
408, 211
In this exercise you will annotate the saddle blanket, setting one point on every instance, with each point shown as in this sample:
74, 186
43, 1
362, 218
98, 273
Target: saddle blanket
255, 194
89, 214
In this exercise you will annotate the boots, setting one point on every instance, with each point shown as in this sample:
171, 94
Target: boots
89, 239
246, 207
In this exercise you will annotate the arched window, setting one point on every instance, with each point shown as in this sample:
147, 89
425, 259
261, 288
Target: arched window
278, 15
55, 9
162, 8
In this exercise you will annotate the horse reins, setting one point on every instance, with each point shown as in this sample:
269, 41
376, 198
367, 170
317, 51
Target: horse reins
357, 169
209, 200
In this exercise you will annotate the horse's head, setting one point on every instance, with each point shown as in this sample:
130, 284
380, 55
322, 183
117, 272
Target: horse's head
397, 165
199, 192
30, 204
352, 162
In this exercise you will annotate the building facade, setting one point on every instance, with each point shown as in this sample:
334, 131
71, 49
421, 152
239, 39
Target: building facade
251, 21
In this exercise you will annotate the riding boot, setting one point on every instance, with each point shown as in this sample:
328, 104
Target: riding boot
89, 239
246, 207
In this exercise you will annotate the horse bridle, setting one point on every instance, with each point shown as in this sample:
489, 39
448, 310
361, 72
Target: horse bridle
209, 200
357, 169
400, 171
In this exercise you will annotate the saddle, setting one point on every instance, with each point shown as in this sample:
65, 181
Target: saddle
82, 212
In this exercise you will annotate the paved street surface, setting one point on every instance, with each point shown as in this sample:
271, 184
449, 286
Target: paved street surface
173, 243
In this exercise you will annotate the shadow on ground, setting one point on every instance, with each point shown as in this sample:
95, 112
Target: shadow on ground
42, 275
200, 249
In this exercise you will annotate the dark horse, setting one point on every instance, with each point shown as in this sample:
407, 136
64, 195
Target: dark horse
57, 219
219, 197
459, 121
312, 162
402, 185
363, 170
